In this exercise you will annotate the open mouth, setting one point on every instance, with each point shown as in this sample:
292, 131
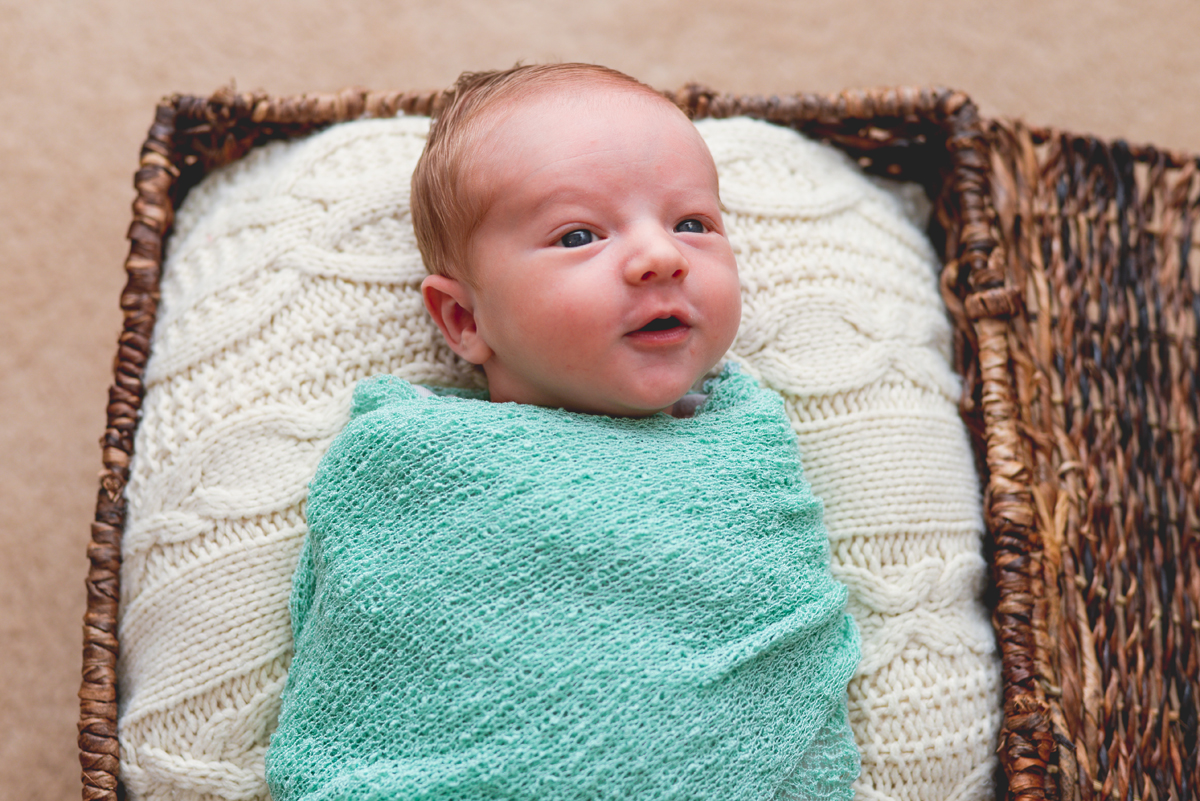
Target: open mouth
662, 324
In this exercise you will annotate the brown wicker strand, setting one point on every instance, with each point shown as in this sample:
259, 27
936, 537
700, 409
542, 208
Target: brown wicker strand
152, 217
1103, 241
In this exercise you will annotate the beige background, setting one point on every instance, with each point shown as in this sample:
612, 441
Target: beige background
78, 84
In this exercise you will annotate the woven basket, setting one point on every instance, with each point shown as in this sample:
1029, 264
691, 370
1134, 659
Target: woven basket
1077, 339
1091, 394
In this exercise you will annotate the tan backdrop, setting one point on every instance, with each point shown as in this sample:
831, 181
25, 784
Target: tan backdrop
78, 84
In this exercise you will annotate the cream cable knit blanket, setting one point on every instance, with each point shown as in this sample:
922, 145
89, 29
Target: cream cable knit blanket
293, 273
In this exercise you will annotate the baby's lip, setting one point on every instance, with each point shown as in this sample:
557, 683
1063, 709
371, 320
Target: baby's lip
662, 321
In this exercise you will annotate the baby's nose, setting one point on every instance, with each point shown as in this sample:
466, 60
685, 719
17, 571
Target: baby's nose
655, 258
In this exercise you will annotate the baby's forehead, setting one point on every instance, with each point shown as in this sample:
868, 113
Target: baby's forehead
562, 133
580, 89
588, 96
573, 114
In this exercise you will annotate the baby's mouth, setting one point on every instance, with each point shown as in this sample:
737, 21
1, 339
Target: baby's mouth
661, 331
662, 324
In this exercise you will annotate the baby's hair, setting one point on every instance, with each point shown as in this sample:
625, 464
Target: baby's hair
445, 212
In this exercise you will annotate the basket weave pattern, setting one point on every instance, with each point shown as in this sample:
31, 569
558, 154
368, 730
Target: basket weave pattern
1097, 530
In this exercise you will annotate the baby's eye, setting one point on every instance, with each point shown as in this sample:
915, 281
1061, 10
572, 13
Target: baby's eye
577, 238
690, 227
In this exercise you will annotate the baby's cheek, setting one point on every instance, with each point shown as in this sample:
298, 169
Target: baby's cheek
563, 330
583, 307
730, 304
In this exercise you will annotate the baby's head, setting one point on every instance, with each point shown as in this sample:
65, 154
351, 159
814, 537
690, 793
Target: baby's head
570, 220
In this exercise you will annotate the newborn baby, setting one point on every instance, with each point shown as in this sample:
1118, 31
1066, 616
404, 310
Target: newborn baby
553, 589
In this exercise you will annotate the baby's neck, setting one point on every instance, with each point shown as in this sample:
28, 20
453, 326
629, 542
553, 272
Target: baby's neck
687, 405
683, 408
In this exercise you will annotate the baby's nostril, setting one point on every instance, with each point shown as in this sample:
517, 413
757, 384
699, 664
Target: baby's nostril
646, 276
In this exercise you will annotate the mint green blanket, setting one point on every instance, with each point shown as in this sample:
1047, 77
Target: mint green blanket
499, 601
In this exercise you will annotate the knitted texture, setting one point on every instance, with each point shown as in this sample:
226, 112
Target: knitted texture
507, 601
293, 273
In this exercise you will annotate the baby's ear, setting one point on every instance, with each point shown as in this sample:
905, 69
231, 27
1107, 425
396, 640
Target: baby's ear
451, 304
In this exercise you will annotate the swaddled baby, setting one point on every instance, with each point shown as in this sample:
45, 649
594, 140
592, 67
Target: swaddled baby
576, 585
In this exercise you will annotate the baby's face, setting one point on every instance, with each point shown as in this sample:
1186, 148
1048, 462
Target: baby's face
603, 278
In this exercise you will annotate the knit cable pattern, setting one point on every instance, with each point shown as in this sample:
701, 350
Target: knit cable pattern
293, 274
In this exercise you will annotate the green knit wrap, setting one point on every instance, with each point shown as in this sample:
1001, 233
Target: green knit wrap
501, 601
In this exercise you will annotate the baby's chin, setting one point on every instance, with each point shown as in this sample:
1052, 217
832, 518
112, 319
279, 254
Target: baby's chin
640, 404
627, 396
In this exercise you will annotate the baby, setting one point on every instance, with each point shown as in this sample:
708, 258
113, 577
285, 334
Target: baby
552, 589
571, 221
